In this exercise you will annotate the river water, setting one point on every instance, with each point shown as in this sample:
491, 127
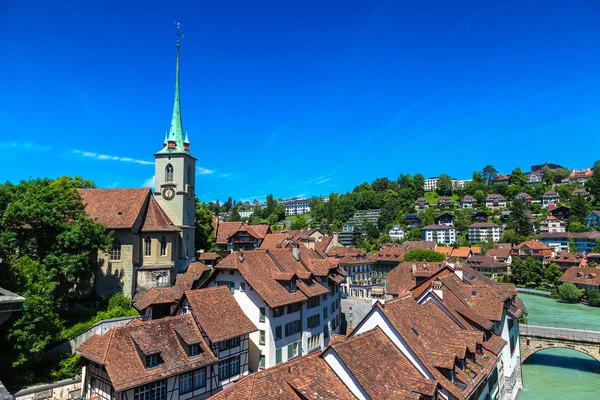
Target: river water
560, 374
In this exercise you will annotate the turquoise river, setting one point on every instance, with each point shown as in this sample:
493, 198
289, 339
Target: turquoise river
560, 373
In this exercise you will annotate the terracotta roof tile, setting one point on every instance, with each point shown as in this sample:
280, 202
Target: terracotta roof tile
115, 208
121, 350
218, 313
156, 219
582, 276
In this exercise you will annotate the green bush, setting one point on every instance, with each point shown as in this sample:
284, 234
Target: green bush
424, 255
594, 298
65, 367
80, 327
119, 300
569, 293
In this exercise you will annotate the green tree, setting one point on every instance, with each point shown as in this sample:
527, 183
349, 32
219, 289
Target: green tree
580, 209
518, 177
38, 325
553, 273
561, 174
509, 236
593, 297
569, 293
593, 183
270, 205
299, 223
424, 255
235, 215
427, 217
547, 175
526, 272
444, 185
489, 173
518, 219
480, 197
204, 236
46, 220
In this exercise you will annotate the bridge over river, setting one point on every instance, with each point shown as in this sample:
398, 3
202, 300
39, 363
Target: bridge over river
534, 338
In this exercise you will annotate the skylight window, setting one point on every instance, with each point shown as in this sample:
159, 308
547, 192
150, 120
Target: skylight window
415, 331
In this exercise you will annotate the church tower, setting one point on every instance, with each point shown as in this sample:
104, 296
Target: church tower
175, 175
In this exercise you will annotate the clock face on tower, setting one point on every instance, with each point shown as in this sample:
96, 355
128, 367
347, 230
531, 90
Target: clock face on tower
168, 193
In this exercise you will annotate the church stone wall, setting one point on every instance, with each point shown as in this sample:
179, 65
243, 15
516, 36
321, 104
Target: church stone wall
117, 276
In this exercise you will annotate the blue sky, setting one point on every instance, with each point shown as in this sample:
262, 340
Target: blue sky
297, 98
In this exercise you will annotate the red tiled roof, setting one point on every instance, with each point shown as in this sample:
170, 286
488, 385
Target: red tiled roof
225, 230
208, 256
419, 244
218, 313
499, 254
156, 296
582, 276
402, 278
156, 219
115, 208
379, 366
122, 350
533, 244
308, 377
461, 252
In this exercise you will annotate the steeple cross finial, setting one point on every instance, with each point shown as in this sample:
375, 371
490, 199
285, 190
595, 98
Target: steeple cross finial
178, 32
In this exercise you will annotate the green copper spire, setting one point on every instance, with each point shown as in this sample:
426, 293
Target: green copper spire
174, 141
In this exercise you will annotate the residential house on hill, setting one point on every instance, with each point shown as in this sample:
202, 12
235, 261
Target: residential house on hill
439, 234
445, 202
396, 233
532, 249
421, 204
495, 202
444, 219
582, 241
467, 202
583, 277
534, 177
552, 224
501, 253
290, 294
419, 245
296, 206
487, 265
480, 232
593, 219
560, 212
580, 175
550, 198
502, 178
524, 196
567, 260
234, 236
579, 192
412, 220
479, 216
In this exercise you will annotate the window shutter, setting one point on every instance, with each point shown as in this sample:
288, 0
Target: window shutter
290, 351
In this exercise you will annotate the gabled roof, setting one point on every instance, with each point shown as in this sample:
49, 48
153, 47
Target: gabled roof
532, 244
582, 276
484, 225
122, 350
218, 313
493, 196
402, 278
157, 219
467, 198
115, 208
258, 267
226, 230
308, 377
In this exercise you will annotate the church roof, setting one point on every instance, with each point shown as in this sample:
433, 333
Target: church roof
115, 208
157, 219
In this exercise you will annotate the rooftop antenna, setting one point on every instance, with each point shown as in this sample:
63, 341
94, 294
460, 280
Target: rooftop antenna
178, 32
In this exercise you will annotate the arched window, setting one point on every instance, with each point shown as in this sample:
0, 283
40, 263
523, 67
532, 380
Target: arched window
169, 173
147, 246
163, 246
189, 176
115, 251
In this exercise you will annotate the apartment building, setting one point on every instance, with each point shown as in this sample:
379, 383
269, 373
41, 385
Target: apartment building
439, 233
290, 294
495, 202
480, 232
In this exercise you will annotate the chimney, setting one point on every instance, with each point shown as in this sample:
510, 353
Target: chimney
336, 240
241, 256
296, 251
414, 267
311, 243
458, 270
437, 288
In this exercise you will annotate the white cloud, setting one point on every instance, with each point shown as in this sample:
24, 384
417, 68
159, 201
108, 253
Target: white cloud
30, 146
323, 181
96, 156
149, 183
225, 175
204, 171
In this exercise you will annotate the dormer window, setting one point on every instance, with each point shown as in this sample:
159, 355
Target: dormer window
194, 349
153, 360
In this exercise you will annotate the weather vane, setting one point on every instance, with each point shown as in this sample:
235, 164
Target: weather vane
178, 32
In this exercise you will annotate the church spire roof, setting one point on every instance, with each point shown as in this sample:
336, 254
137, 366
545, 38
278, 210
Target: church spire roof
175, 140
